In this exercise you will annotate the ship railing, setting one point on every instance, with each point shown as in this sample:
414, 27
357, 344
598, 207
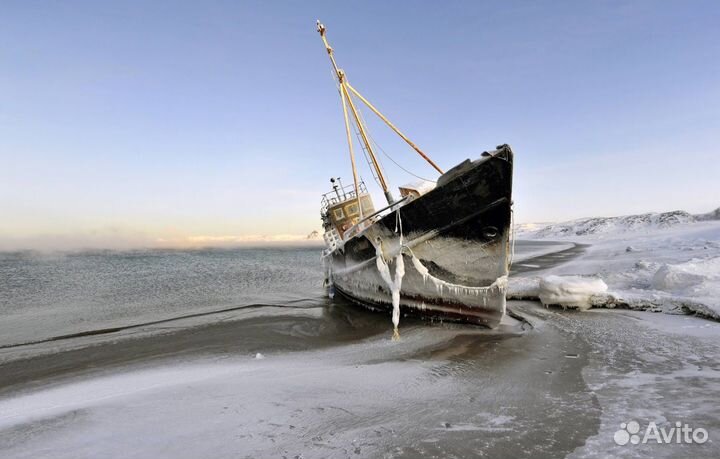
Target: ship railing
340, 194
375, 216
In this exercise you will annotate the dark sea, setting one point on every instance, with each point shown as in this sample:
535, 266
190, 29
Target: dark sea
47, 295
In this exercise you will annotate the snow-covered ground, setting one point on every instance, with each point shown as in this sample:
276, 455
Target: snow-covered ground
667, 262
560, 388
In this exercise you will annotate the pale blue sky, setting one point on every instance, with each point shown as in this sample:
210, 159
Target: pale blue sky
166, 120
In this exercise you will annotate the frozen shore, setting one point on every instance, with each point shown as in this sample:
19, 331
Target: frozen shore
304, 388
658, 262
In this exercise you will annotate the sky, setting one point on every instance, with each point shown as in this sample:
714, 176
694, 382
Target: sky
175, 123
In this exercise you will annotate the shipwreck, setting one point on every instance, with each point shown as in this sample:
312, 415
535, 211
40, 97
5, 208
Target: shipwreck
441, 249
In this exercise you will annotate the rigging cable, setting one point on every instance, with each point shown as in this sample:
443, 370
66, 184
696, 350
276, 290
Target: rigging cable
365, 153
367, 132
372, 139
395, 162
355, 129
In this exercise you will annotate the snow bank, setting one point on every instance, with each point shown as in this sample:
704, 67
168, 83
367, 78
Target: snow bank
570, 291
687, 277
696, 282
670, 266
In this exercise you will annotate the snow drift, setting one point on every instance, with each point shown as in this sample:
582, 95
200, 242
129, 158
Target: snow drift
668, 262
570, 291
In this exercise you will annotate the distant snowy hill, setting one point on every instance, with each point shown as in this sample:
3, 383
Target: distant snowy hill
609, 225
714, 215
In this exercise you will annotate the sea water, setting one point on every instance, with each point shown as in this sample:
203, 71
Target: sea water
44, 295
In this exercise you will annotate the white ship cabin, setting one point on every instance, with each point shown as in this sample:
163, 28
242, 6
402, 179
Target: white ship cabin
416, 189
340, 211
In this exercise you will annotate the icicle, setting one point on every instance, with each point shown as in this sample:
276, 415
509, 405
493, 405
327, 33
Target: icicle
393, 284
419, 267
440, 285
399, 273
382, 266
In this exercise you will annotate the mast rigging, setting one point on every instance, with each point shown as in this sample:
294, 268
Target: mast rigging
346, 92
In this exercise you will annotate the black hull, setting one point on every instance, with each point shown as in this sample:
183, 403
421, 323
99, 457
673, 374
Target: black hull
459, 232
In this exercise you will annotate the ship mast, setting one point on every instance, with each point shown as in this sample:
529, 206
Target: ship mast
345, 95
347, 101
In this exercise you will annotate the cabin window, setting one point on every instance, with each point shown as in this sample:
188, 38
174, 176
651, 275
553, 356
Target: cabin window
339, 215
352, 209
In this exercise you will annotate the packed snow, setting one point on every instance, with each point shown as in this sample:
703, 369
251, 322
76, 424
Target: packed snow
668, 262
571, 291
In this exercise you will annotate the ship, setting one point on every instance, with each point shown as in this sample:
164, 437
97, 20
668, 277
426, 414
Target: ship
441, 250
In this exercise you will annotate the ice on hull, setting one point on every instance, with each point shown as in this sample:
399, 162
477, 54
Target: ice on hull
453, 245
431, 300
